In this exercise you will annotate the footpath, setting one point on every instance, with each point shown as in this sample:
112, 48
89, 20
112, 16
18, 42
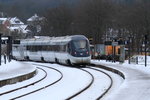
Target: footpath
136, 85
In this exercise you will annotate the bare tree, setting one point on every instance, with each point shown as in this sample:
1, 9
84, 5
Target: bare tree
59, 20
93, 18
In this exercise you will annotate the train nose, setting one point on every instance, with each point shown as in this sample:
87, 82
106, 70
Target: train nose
83, 61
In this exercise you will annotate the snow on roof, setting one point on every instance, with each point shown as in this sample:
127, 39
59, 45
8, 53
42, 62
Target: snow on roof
53, 40
35, 17
2, 20
15, 20
23, 27
14, 28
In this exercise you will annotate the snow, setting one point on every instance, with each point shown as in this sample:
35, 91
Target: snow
134, 87
35, 18
14, 69
16, 21
97, 87
2, 20
13, 86
137, 78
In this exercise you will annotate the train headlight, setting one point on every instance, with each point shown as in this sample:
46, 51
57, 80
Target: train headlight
75, 53
87, 52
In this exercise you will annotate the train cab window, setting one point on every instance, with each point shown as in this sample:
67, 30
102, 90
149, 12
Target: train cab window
69, 48
80, 44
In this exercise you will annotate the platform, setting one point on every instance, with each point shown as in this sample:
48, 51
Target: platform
15, 71
136, 85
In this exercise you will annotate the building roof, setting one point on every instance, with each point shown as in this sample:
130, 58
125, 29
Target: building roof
35, 18
2, 20
21, 28
15, 20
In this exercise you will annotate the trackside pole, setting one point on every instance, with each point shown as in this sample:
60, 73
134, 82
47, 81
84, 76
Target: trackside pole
9, 48
0, 48
146, 36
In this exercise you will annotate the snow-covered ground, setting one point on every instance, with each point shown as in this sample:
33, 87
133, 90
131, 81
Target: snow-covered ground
14, 69
140, 66
135, 87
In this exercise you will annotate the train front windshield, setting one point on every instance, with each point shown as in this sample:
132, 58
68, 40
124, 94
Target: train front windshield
80, 48
81, 44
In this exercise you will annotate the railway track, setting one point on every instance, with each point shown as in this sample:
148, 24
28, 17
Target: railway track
86, 87
89, 70
34, 83
111, 83
75, 96
43, 86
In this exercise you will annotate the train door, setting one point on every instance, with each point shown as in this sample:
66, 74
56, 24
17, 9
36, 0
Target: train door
21, 51
63, 53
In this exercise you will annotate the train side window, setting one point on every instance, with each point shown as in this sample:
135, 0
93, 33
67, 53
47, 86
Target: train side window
39, 48
49, 48
66, 48
55, 47
43, 47
58, 48
52, 47
32, 48
69, 48
46, 47
61, 48
27, 47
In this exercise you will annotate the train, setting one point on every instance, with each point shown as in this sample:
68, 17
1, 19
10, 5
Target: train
70, 50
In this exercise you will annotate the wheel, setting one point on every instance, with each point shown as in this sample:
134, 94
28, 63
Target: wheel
56, 60
69, 62
27, 58
42, 59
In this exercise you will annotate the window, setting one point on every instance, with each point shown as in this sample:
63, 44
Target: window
80, 44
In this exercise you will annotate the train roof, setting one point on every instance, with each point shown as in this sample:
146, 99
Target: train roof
52, 40
62, 38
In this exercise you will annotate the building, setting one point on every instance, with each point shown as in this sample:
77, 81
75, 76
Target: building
35, 24
13, 27
4, 23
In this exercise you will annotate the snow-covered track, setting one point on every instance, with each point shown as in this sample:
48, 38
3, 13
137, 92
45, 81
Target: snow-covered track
111, 82
42, 67
97, 78
43, 86
85, 88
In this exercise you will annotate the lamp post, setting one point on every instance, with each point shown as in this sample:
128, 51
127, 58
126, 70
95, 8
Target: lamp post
145, 42
129, 51
9, 48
